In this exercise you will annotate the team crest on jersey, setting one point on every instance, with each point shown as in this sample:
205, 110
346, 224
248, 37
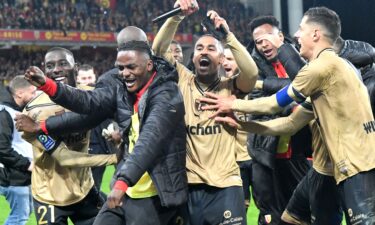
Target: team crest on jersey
268, 218
198, 105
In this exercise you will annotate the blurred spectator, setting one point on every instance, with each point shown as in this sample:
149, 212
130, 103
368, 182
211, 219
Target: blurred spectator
89, 15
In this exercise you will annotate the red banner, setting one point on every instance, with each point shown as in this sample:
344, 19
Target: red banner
73, 36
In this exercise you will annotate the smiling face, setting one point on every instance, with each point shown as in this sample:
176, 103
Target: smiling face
306, 34
60, 67
229, 64
177, 52
263, 46
135, 68
208, 56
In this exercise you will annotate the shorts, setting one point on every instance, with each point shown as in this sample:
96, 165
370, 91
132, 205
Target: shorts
357, 194
316, 200
80, 213
212, 205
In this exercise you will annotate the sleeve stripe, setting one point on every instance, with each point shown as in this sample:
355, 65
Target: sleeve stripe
300, 97
307, 105
282, 97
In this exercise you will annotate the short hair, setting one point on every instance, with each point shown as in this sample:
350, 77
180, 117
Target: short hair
18, 82
221, 47
175, 42
260, 20
53, 49
85, 67
326, 18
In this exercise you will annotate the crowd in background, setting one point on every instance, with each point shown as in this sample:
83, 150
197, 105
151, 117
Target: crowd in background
89, 15
86, 15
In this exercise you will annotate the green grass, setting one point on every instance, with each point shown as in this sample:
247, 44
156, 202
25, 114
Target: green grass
252, 214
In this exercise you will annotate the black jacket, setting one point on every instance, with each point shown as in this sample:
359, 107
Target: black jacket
362, 55
262, 148
15, 171
161, 146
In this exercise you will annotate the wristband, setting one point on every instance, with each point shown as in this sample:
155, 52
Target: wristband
120, 185
43, 126
50, 87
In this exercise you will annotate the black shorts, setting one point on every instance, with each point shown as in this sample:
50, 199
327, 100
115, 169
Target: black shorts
316, 200
357, 194
212, 205
81, 213
145, 211
245, 170
272, 188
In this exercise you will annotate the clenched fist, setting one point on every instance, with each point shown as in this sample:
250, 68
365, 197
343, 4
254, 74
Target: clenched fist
35, 76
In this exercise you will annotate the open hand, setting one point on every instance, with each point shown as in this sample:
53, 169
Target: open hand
216, 102
35, 76
228, 120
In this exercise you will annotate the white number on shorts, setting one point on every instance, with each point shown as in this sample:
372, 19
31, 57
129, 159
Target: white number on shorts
43, 211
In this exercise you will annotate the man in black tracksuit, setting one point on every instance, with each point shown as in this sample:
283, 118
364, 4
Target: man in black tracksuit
156, 135
279, 162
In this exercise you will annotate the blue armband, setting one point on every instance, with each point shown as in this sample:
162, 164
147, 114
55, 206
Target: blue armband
48, 143
282, 97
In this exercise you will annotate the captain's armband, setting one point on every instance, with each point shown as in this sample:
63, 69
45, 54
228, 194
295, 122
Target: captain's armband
283, 98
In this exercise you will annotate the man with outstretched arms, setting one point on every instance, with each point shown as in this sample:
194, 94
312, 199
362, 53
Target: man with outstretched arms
342, 107
215, 192
62, 184
315, 200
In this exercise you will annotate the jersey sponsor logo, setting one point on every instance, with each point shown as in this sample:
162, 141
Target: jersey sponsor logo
227, 214
74, 138
369, 127
350, 212
201, 130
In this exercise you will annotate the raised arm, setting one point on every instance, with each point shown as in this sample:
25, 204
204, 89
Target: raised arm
164, 37
248, 69
80, 101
